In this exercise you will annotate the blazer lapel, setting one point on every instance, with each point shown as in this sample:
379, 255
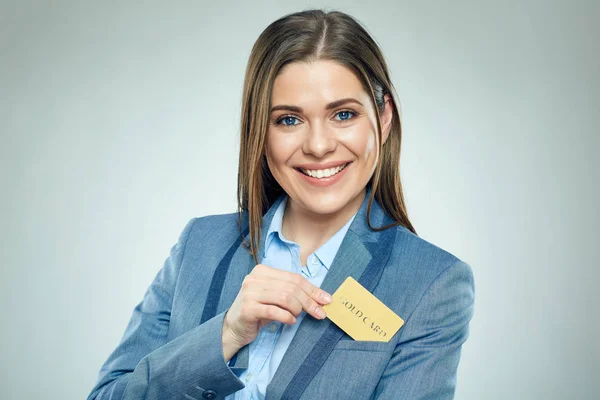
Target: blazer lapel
356, 253
242, 264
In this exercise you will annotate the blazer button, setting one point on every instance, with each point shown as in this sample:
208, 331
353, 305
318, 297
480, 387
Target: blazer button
209, 394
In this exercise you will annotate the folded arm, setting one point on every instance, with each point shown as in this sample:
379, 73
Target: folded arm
144, 365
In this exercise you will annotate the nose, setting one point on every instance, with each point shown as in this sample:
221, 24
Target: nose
319, 141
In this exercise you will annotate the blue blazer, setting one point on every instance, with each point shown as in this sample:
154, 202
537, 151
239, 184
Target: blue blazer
171, 348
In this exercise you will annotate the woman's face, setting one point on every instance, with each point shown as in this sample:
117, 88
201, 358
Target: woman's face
321, 141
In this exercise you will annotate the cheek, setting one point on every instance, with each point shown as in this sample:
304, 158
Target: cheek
278, 151
361, 141
269, 151
272, 165
370, 146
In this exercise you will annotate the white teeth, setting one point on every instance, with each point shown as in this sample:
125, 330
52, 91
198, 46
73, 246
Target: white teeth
323, 173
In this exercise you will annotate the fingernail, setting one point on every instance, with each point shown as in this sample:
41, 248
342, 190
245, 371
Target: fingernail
326, 297
321, 312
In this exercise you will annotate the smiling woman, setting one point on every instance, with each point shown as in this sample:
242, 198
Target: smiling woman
237, 310
322, 142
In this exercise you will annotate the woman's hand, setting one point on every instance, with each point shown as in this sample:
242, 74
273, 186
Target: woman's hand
269, 294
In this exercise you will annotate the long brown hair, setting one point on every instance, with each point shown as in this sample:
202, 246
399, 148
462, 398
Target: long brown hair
309, 36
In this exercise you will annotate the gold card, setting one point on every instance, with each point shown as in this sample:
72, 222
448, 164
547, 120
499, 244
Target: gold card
360, 314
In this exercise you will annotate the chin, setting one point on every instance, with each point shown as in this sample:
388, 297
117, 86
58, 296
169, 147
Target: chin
326, 203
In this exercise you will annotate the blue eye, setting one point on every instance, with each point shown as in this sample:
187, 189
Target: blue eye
345, 115
288, 121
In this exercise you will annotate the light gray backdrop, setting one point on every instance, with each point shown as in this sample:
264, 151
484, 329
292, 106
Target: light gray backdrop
119, 123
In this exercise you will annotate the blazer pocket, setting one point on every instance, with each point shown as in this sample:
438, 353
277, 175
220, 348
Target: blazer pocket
366, 345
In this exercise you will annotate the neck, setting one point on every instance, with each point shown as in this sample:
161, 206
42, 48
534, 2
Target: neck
311, 230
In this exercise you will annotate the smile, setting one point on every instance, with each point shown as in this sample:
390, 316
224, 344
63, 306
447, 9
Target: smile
323, 173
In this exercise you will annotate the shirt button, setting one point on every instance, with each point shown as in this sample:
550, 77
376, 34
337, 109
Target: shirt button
273, 327
315, 260
248, 377
209, 394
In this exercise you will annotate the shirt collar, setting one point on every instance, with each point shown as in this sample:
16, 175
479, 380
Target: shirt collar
326, 253
276, 225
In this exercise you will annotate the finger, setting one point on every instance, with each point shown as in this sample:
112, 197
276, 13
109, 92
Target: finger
266, 290
308, 303
285, 299
316, 293
293, 283
292, 288
274, 313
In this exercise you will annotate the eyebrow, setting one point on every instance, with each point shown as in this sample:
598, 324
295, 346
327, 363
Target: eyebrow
333, 104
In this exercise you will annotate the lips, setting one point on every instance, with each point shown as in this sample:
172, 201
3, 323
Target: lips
335, 174
323, 172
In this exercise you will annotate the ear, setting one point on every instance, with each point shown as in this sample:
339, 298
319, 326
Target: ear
386, 117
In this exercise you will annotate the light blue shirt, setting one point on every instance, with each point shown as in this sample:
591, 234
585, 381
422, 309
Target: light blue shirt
267, 350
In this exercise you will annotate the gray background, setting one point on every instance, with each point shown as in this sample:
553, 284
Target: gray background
119, 123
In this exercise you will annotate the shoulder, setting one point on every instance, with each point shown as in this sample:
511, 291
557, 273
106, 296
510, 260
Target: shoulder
420, 250
211, 230
426, 274
208, 223
426, 261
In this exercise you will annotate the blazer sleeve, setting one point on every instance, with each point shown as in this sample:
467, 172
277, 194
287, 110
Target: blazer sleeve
145, 366
425, 361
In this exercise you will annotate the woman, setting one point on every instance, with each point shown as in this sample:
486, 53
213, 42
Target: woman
237, 310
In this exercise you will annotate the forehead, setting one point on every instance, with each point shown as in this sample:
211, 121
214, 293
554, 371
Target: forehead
309, 83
